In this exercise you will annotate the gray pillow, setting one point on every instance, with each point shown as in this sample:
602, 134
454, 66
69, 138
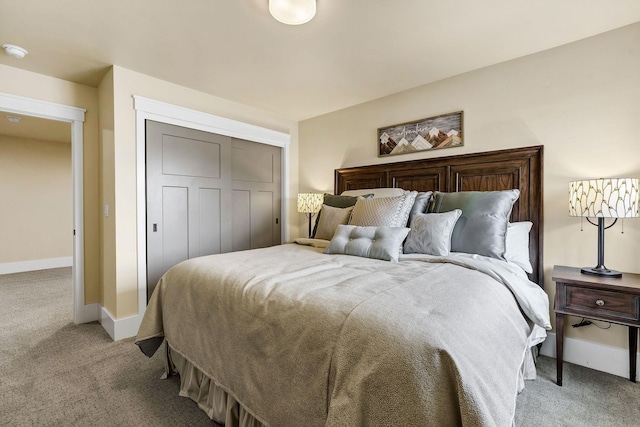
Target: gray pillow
331, 218
383, 211
421, 205
337, 202
482, 228
369, 242
431, 233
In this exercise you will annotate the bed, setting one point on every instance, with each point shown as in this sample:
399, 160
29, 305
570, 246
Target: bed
350, 331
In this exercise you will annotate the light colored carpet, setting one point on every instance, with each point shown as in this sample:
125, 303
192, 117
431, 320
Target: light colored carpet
55, 373
587, 398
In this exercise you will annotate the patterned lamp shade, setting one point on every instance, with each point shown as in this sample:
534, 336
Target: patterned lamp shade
604, 198
310, 202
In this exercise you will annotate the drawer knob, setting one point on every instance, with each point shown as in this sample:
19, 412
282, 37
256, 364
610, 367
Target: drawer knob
599, 302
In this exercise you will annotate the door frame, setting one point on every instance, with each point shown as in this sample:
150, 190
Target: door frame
74, 116
149, 109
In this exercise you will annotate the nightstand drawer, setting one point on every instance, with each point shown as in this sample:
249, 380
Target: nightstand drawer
602, 303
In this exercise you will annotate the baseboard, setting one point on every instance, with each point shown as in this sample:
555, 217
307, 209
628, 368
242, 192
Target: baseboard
88, 313
36, 264
613, 360
119, 329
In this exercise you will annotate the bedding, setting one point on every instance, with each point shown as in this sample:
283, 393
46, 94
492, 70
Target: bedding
482, 228
517, 244
383, 243
431, 233
421, 204
374, 192
295, 337
337, 201
383, 211
330, 219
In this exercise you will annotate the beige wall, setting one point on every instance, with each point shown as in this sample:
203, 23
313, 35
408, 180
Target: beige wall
32, 85
110, 166
37, 200
107, 195
127, 83
581, 101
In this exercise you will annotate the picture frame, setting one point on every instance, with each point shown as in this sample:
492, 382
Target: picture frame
443, 131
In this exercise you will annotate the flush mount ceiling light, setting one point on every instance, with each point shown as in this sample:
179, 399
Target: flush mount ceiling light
13, 119
15, 51
293, 12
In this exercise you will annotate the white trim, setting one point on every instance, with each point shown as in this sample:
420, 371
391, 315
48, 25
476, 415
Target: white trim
149, 109
180, 116
77, 161
89, 313
43, 109
74, 116
605, 358
119, 328
35, 264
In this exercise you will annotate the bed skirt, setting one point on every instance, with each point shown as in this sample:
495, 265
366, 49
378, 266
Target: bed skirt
219, 405
223, 408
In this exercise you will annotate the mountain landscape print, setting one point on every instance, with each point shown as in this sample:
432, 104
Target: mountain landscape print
425, 134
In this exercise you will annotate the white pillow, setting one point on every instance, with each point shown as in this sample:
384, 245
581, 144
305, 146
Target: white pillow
431, 233
517, 245
383, 211
377, 192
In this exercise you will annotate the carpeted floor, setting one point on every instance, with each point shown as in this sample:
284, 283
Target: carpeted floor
55, 373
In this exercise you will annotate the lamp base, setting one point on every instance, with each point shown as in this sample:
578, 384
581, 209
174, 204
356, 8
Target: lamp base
601, 271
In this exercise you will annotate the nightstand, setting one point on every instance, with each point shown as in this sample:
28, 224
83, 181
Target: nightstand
615, 300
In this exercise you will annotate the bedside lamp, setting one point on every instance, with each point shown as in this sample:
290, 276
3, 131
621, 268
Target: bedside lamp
603, 198
310, 204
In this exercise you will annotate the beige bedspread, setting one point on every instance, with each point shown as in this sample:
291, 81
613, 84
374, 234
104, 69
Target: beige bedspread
302, 338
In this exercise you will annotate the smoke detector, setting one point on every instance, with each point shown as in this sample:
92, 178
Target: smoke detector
15, 51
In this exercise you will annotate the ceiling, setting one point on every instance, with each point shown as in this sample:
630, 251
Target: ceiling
351, 52
35, 128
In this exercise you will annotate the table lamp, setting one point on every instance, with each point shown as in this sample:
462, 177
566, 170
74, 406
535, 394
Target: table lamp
310, 204
603, 198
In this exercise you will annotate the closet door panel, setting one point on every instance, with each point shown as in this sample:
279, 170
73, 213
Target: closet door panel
175, 225
210, 237
262, 224
241, 222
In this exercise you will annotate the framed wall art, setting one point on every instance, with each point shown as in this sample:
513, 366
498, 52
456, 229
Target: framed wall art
442, 131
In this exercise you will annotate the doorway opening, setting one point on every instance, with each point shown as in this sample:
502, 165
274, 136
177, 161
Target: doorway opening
29, 107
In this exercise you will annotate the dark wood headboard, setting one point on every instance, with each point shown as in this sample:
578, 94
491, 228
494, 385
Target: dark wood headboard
519, 168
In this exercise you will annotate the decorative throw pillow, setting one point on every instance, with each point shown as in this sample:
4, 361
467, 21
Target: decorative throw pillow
517, 244
369, 242
383, 211
482, 228
431, 233
331, 218
337, 202
421, 204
